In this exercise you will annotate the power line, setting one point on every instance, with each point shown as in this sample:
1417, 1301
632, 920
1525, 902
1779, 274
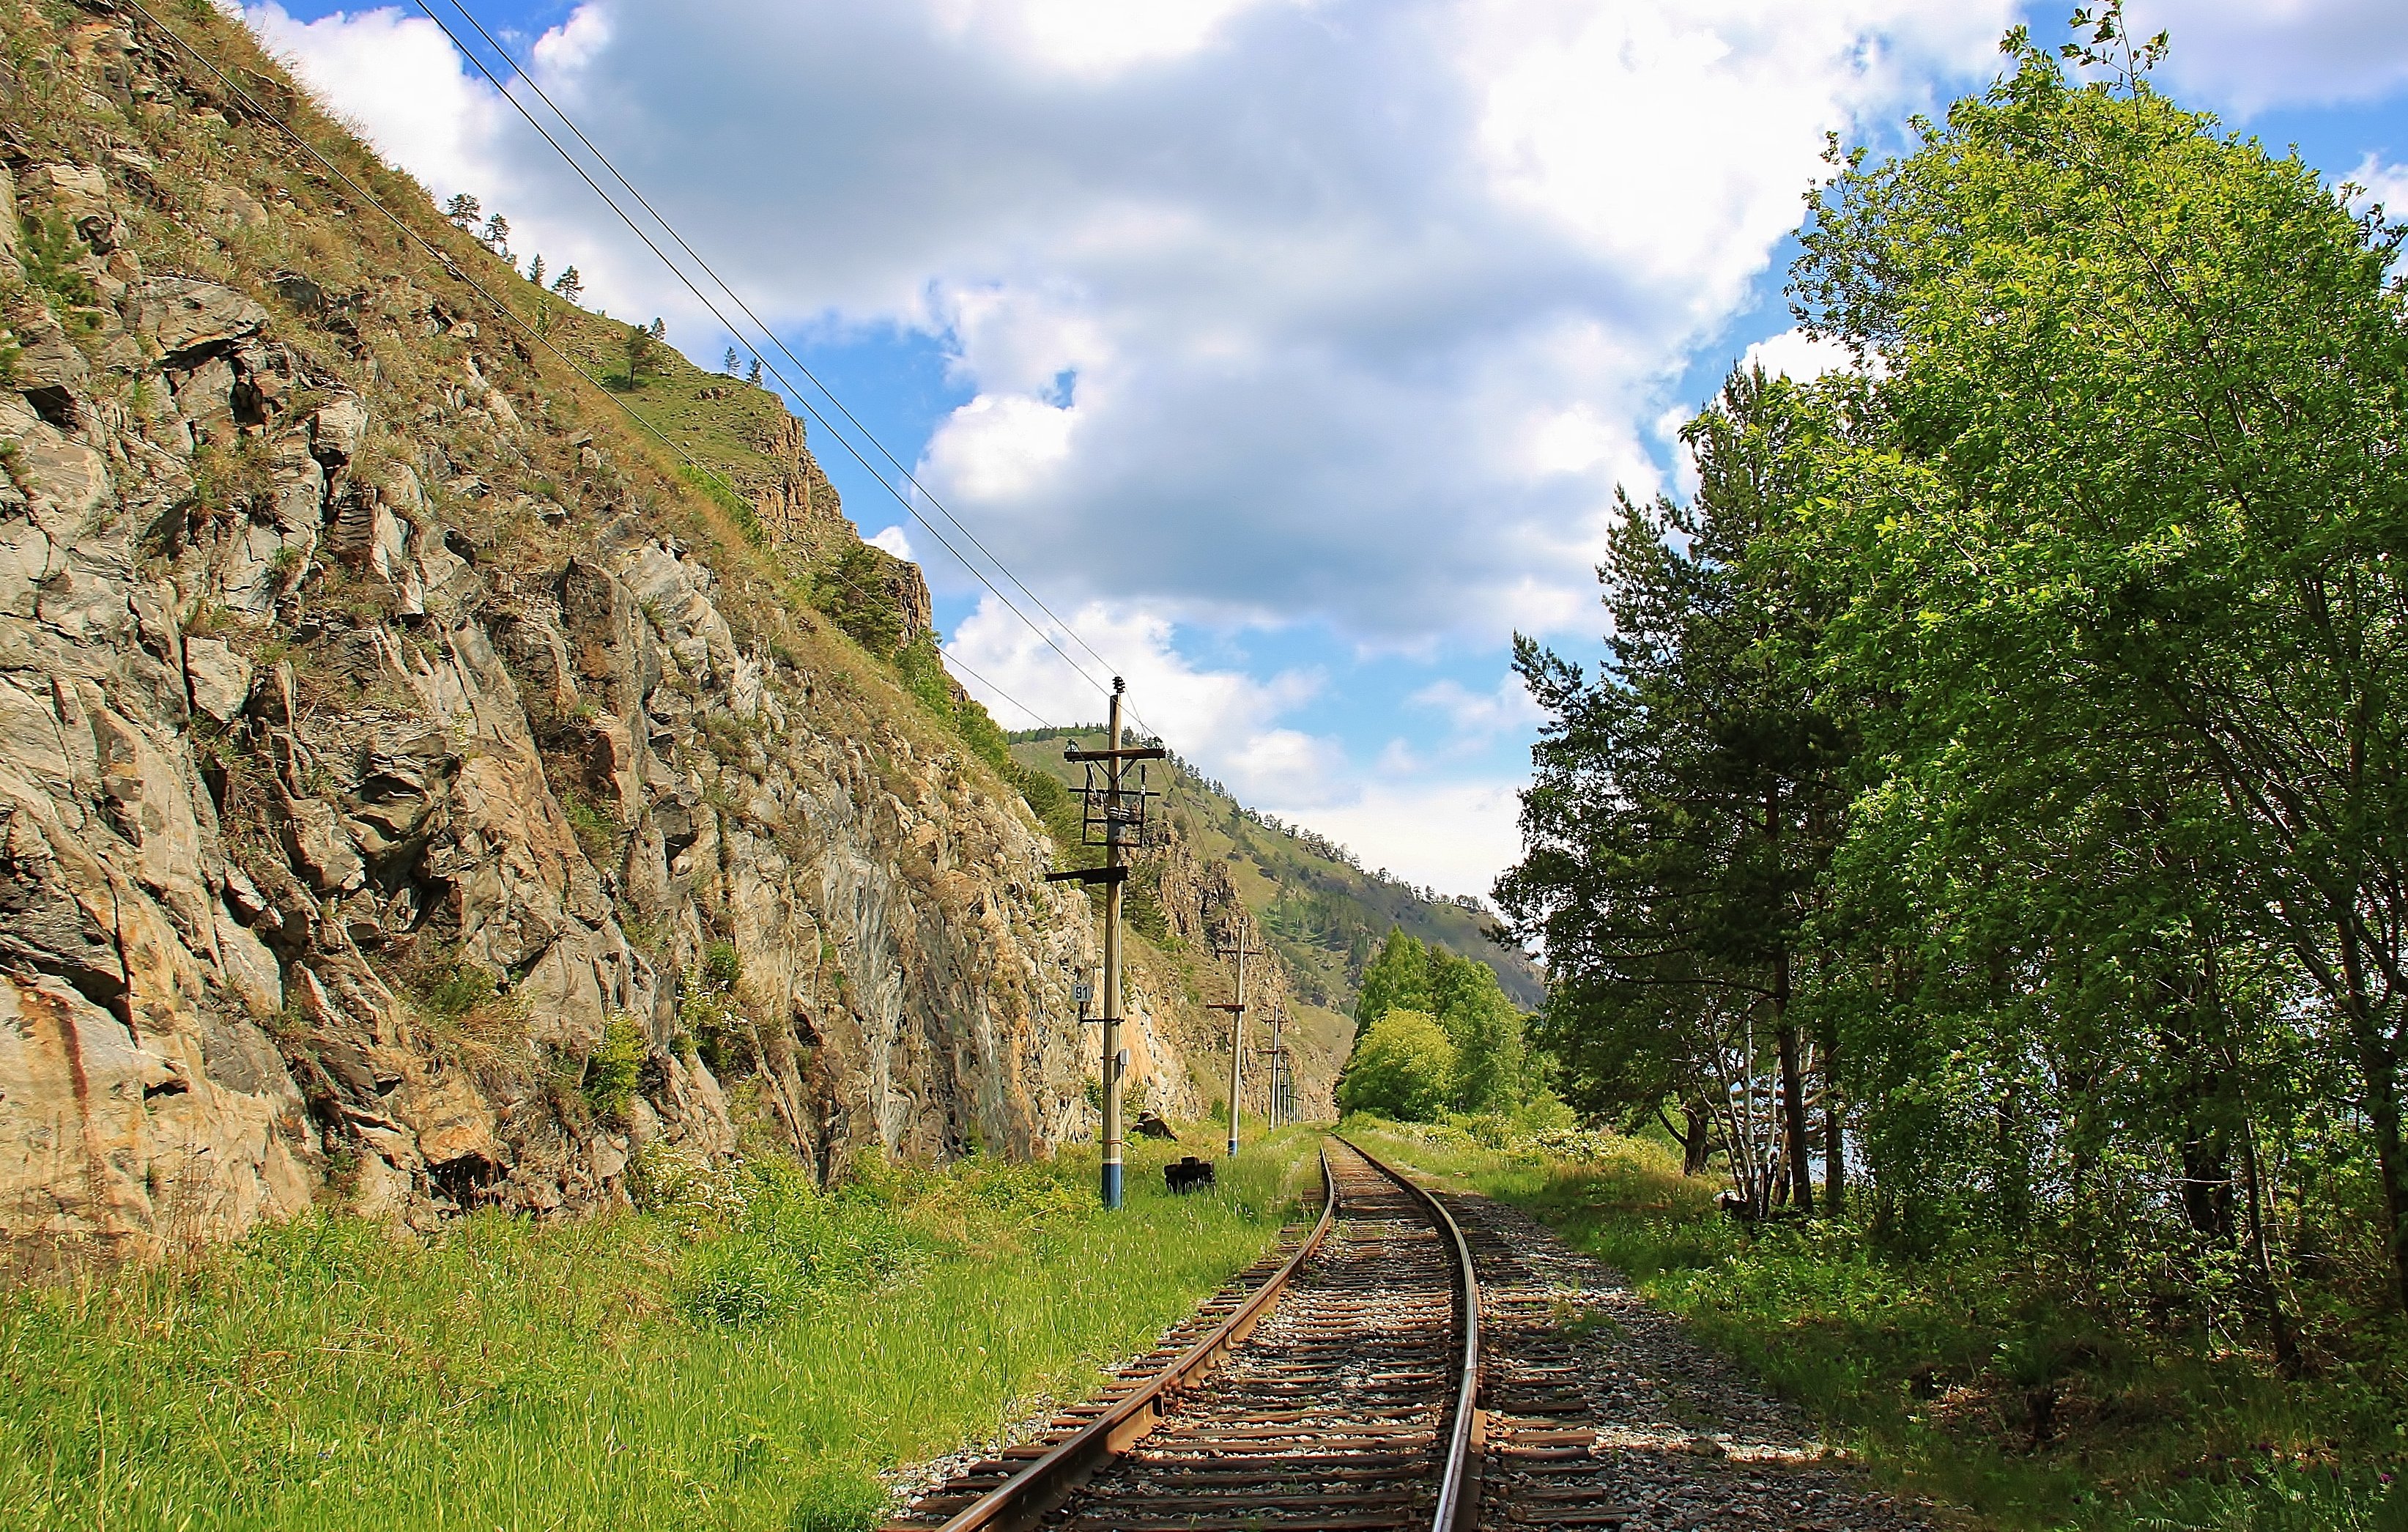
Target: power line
455, 269
705, 300
518, 72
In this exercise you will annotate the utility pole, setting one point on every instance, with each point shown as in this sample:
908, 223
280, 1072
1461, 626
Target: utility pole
1114, 819
1282, 1104
1242, 950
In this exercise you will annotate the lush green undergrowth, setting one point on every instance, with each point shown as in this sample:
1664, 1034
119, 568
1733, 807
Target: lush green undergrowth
749, 1353
1971, 1377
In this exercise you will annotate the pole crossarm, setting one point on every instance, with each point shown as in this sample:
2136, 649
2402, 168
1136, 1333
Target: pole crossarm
1090, 875
1135, 753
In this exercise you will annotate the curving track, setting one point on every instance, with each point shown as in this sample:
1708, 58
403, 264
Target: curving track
1331, 1398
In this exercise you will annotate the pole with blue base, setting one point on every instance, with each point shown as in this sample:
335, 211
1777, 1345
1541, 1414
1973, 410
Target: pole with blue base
1121, 821
1113, 1146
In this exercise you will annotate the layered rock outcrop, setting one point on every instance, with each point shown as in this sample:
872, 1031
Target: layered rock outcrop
408, 795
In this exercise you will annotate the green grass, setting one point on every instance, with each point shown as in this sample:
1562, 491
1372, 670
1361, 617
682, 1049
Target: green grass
610, 1373
1930, 1370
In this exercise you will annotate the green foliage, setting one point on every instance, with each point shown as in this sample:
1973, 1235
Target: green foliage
792, 1247
641, 352
596, 829
459, 989
503, 1372
736, 508
230, 477
52, 253
923, 669
1403, 1066
858, 598
1397, 979
1998, 775
616, 1066
722, 965
1490, 1071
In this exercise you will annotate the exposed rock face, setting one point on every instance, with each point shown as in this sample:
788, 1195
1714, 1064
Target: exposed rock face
371, 750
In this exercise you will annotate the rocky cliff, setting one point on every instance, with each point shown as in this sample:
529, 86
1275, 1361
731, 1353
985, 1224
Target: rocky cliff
413, 790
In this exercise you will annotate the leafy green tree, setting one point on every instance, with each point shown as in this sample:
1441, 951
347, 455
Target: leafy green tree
1492, 1072
1398, 978
2123, 537
1688, 798
642, 353
856, 592
1403, 1068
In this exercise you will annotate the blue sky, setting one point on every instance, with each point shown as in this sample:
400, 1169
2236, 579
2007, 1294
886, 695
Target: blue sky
1291, 349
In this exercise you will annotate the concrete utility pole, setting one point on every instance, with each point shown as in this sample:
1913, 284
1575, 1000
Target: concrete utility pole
1242, 950
1115, 819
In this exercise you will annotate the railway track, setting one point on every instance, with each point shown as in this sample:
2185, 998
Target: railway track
1330, 1390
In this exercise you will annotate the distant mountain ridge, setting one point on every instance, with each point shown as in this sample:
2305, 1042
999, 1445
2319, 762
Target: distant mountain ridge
1313, 902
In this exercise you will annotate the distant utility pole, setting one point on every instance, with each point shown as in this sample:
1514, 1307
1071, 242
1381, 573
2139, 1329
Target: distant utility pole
1241, 951
1115, 819
1282, 1098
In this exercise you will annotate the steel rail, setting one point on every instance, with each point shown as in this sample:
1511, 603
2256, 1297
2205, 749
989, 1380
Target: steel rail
1458, 1492
1021, 1501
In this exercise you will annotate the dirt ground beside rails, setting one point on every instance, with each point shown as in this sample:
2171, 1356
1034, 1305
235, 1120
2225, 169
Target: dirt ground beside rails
1602, 1412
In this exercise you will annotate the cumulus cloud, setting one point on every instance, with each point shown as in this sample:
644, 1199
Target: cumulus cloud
398, 78
1454, 836
1344, 316
1271, 310
2253, 54
2381, 183
1476, 718
894, 540
1793, 353
1227, 720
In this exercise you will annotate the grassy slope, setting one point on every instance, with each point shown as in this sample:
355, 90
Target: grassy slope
1927, 1369
504, 1375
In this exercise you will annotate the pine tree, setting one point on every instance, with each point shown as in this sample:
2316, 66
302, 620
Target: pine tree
728, 363
497, 234
569, 285
464, 210
641, 358
753, 376
534, 270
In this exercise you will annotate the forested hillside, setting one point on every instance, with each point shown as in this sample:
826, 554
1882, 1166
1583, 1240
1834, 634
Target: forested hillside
1314, 902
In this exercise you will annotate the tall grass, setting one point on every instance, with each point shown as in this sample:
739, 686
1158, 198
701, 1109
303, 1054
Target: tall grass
1931, 1369
600, 1374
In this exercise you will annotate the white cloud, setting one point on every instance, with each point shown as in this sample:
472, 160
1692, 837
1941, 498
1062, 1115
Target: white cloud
893, 539
1090, 38
1454, 836
1346, 310
1478, 717
1793, 353
1228, 722
396, 76
2253, 54
1000, 447
2384, 183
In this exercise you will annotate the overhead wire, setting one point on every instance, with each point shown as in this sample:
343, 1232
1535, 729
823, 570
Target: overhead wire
455, 269
717, 313
518, 72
